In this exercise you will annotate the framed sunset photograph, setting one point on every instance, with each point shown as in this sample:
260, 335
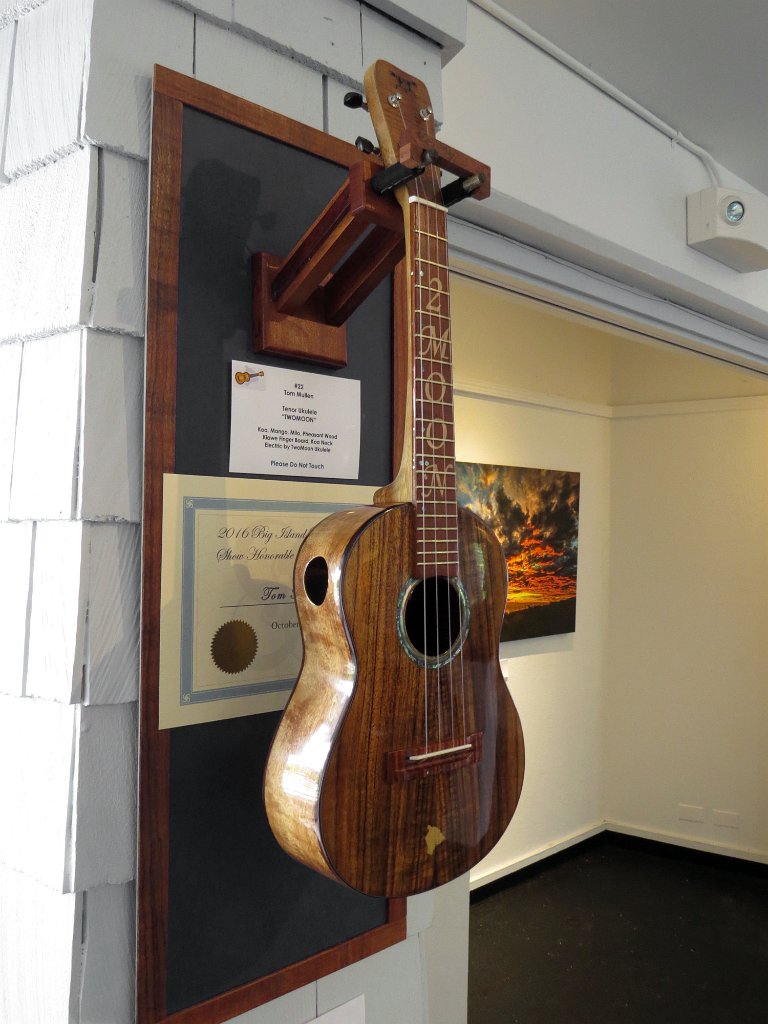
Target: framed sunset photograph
535, 515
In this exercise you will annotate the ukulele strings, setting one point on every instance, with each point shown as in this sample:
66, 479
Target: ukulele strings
446, 546
418, 432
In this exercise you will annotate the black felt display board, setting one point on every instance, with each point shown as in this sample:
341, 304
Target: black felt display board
238, 907
244, 193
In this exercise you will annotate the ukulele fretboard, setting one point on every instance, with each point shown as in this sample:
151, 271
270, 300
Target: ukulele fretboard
433, 432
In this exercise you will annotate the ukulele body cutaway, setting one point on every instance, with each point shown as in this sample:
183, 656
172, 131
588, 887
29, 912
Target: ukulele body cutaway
399, 760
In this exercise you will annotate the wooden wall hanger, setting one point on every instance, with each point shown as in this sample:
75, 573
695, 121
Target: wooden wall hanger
301, 303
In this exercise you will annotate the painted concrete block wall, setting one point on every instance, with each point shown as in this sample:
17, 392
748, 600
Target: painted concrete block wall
576, 174
44, 115
75, 85
47, 218
39, 934
687, 703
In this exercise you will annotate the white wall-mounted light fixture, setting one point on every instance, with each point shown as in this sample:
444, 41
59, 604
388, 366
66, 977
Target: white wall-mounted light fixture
731, 226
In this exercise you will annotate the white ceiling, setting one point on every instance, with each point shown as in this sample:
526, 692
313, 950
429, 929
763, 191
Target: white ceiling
700, 65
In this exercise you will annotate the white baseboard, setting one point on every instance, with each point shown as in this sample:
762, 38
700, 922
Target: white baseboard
676, 839
477, 879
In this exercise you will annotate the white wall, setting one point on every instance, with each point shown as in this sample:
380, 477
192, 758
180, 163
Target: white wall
658, 699
687, 702
555, 682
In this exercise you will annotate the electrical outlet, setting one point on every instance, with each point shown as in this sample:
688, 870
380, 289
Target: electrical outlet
690, 812
725, 819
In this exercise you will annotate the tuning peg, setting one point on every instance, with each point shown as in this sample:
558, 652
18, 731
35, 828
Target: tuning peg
366, 146
355, 100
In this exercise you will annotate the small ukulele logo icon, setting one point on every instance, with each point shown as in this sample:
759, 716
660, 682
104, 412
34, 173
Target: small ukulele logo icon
433, 838
243, 377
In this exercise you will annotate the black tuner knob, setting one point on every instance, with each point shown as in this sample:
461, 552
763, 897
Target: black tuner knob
355, 100
366, 146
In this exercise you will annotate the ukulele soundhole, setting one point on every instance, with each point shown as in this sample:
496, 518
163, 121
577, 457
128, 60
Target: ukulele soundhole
433, 619
316, 580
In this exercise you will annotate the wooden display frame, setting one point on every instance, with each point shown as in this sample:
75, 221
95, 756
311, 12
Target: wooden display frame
172, 93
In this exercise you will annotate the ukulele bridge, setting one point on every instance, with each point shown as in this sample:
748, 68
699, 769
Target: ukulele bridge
418, 762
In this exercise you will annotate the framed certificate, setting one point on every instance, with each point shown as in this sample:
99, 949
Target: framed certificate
230, 642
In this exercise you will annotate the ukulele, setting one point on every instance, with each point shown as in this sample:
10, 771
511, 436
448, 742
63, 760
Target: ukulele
398, 761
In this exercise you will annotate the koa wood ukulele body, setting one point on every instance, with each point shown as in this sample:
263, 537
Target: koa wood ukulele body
398, 762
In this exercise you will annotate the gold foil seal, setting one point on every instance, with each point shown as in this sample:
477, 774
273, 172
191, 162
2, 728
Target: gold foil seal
234, 646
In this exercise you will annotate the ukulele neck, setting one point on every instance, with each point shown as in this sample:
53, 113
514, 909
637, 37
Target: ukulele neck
433, 457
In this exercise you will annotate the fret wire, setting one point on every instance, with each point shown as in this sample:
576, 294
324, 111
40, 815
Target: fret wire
429, 312
443, 341
432, 263
431, 234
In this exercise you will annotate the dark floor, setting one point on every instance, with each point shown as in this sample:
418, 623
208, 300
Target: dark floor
622, 931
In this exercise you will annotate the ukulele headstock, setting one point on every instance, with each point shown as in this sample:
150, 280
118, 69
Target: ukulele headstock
402, 116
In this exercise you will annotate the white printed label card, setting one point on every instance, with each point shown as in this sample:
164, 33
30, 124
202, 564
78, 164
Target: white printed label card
293, 423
